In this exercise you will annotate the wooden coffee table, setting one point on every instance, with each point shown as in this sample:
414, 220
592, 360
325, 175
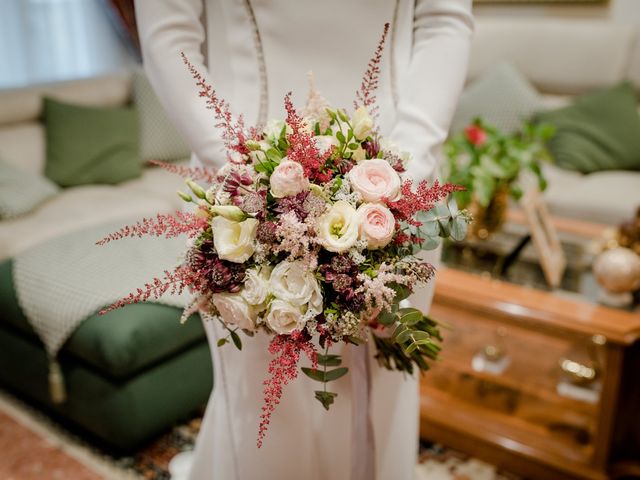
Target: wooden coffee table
499, 392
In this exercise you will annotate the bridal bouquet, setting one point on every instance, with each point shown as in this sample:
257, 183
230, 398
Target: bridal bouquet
308, 234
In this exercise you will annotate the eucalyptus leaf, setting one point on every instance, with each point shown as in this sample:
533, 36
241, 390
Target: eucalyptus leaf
325, 398
410, 316
335, 374
387, 318
236, 339
329, 360
459, 227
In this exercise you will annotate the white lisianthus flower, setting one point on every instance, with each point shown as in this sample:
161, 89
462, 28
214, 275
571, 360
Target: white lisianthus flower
362, 123
338, 228
256, 288
234, 241
230, 212
283, 317
325, 142
273, 130
288, 179
297, 285
234, 310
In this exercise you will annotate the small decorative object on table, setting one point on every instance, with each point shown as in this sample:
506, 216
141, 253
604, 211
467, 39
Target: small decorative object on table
309, 234
629, 233
618, 272
488, 163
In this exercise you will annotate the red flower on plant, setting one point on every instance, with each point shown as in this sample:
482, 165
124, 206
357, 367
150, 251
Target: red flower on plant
476, 135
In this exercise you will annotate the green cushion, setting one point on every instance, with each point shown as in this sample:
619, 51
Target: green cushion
159, 139
124, 414
88, 145
600, 131
119, 344
21, 192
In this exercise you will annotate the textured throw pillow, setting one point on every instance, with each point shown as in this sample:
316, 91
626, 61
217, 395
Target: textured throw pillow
88, 145
159, 140
21, 191
503, 97
600, 131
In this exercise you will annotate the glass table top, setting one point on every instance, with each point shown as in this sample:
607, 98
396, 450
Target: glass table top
496, 257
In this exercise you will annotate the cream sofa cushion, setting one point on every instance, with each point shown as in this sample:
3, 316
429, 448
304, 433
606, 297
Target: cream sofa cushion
23, 145
75, 208
608, 197
559, 56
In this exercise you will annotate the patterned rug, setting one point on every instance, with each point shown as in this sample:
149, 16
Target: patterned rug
31, 443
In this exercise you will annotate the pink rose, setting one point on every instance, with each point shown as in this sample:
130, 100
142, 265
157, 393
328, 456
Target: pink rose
288, 179
374, 180
476, 135
377, 224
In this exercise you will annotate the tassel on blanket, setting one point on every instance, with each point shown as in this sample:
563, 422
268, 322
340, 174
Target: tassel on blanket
57, 389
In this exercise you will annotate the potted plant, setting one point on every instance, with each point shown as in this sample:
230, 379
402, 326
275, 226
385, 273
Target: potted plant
489, 164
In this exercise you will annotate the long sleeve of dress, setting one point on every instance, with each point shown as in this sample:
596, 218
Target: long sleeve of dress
429, 91
166, 29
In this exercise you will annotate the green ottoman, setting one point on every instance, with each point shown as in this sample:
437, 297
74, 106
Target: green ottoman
129, 374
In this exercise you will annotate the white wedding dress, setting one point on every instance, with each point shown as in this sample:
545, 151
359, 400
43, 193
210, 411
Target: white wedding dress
253, 52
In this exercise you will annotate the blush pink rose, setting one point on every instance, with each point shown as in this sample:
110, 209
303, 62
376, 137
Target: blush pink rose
374, 180
377, 224
288, 179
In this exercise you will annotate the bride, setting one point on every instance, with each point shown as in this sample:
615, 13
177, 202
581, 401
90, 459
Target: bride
254, 52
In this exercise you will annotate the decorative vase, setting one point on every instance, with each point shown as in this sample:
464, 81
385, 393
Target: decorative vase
488, 220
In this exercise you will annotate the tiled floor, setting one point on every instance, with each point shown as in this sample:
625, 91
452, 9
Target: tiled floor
27, 456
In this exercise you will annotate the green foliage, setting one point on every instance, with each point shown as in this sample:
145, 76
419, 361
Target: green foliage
445, 220
484, 166
416, 339
325, 398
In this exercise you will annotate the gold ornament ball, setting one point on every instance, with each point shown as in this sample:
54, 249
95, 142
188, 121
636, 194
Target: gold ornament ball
618, 270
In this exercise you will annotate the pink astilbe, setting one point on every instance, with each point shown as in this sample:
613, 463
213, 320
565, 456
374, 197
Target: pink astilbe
204, 174
234, 134
365, 96
283, 368
422, 199
168, 226
302, 148
173, 282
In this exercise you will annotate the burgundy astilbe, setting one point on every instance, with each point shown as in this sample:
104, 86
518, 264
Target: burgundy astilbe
421, 200
164, 225
174, 282
234, 134
302, 148
283, 368
204, 174
365, 96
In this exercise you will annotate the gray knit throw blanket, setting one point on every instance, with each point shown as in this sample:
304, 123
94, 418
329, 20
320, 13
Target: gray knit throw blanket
64, 281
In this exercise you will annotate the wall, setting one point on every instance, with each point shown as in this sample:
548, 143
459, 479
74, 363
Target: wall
622, 11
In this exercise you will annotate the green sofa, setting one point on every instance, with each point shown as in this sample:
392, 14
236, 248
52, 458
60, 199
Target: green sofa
129, 374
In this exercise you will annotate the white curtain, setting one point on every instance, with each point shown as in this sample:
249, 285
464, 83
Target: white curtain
50, 40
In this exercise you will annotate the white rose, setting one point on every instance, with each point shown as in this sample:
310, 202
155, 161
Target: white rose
234, 241
256, 288
338, 228
361, 123
283, 317
234, 310
292, 282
